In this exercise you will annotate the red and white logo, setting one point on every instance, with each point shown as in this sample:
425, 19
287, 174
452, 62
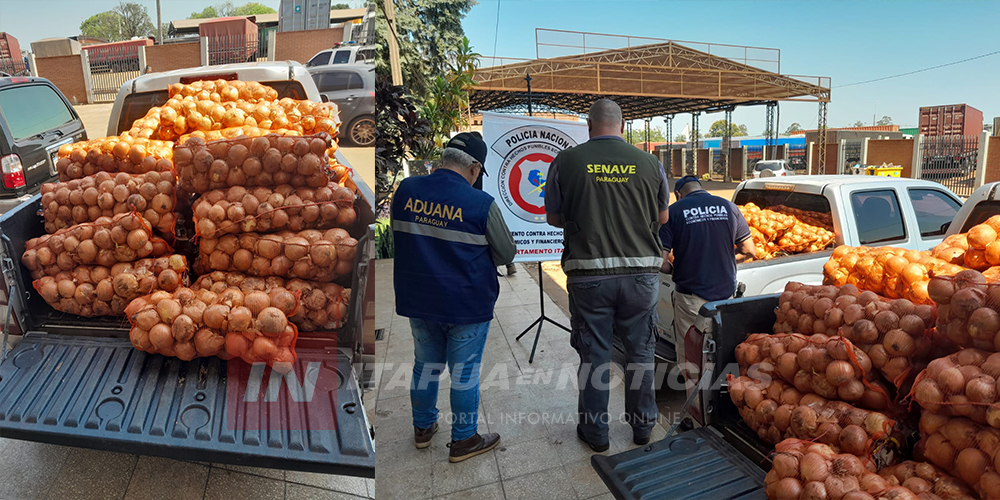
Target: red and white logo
527, 153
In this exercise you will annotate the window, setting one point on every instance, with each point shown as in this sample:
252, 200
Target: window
342, 57
364, 55
877, 216
33, 109
934, 209
767, 198
339, 80
982, 211
320, 59
768, 165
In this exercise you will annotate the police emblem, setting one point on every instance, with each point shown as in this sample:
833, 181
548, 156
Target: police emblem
527, 152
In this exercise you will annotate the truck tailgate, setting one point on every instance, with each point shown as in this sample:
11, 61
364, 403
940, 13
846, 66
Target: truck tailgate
102, 393
698, 464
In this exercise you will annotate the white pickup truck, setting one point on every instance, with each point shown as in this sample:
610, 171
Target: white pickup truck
865, 210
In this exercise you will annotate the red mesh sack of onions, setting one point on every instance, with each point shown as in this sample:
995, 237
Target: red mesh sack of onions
967, 309
891, 272
895, 334
265, 161
927, 481
962, 448
102, 291
104, 194
240, 210
113, 154
776, 410
803, 470
104, 242
188, 324
310, 254
831, 367
322, 306
963, 384
977, 249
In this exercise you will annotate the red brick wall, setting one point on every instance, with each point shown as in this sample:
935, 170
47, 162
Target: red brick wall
676, 157
736, 163
66, 72
895, 151
831, 160
162, 58
302, 45
704, 161
993, 160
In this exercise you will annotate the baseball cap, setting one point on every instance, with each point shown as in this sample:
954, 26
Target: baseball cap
471, 143
684, 180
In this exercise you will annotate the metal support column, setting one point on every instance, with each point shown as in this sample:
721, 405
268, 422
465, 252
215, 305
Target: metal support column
628, 131
769, 139
527, 78
821, 141
694, 142
668, 123
726, 146
645, 147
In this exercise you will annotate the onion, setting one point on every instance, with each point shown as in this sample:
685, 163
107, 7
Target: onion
814, 467
161, 337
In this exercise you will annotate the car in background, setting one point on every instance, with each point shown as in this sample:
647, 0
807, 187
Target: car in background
344, 53
352, 88
772, 168
35, 120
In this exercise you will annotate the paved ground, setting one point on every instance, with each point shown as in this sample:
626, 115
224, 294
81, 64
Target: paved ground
95, 118
539, 454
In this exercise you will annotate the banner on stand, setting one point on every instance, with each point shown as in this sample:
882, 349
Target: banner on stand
517, 165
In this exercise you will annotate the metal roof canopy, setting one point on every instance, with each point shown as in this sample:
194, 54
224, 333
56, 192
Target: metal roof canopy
649, 79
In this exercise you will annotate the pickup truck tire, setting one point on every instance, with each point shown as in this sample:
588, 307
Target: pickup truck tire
362, 131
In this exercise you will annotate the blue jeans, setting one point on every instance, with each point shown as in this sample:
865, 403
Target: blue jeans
460, 347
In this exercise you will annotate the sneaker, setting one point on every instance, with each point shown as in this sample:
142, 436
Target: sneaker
422, 437
641, 437
599, 448
475, 445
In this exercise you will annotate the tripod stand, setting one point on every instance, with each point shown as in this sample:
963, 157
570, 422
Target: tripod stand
542, 318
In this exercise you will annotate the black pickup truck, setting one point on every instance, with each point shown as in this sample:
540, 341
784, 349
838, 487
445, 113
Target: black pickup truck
79, 382
723, 458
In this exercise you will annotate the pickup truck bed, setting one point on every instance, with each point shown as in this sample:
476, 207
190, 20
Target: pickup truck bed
725, 458
78, 381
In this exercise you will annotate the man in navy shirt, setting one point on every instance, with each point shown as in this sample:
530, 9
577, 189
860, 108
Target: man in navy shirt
708, 235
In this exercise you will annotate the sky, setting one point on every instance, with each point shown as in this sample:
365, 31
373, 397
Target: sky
848, 41
30, 20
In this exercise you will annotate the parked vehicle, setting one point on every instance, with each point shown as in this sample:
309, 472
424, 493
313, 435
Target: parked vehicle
344, 53
949, 165
136, 96
865, 210
80, 382
772, 168
728, 457
35, 119
352, 88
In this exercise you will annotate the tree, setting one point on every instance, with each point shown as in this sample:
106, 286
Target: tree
339, 6
680, 138
638, 135
252, 9
401, 131
885, 120
207, 13
718, 129
135, 21
794, 127
105, 25
448, 97
426, 32
858, 123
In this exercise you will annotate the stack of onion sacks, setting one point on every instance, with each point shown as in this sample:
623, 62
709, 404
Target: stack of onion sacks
101, 291
891, 272
967, 309
103, 194
108, 240
772, 224
977, 249
240, 210
322, 306
830, 367
115, 154
765, 249
232, 324
265, 161
776, 410
311, 254
805, 470
811, 217
962, 448
963, 384
925, 479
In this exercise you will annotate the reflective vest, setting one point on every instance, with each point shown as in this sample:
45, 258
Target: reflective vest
443, 270
609, 207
